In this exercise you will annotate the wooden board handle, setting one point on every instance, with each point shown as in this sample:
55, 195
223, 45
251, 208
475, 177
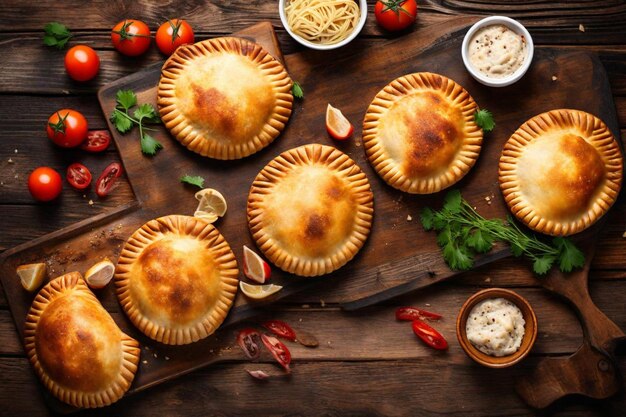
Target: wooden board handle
588, 372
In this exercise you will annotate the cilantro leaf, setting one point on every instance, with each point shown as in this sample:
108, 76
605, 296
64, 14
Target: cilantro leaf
570, 256
480, 240
484, 120
149, 145
125, 99
296, 90
146, 111
543, 264
452, 202
426, 217
56, 34
196, 180
122, 123
457, 257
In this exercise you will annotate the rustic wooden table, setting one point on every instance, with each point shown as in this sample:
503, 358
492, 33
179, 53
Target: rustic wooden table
367, 363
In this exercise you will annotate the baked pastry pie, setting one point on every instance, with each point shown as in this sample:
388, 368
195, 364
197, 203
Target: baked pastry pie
76, 348
419, 133
561, 171
310, 210
176, 279
224, 98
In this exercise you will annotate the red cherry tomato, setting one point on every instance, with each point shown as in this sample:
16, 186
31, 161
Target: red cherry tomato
395, 15
108, 179
97, 141
414, 313
67, 128
280, 329
278, 350
131, 37
430, 336
172, 34
82, 63
44, 184
249, 340
78, 176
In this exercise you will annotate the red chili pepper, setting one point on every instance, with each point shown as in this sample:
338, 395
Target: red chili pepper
430, 336
414, 313
280, 329
278, 350
249, 341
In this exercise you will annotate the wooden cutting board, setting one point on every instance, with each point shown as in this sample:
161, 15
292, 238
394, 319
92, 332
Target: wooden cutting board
398, 257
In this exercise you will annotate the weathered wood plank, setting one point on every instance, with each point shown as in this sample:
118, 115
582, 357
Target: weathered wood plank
391, 388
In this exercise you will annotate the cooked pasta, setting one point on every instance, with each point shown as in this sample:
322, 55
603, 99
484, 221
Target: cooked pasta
322, 21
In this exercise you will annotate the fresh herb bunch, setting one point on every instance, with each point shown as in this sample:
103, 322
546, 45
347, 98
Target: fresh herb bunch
57, 34
144, 114
196, 180
462, 233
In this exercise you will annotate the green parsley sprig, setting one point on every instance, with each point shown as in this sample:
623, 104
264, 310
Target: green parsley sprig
463, 233
143, 115
57, 34
196, 180
484, 120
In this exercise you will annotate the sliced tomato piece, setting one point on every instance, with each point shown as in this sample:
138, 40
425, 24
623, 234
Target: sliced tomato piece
108, 179
249, 340
414, 313
278, 350
280, 329
78, 176
430, 336
97, 141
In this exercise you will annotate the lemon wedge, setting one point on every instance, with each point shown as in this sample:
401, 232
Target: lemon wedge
99, 275
31, 275
259, 292
211, 205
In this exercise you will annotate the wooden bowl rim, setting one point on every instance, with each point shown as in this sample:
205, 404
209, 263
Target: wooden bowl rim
530, 328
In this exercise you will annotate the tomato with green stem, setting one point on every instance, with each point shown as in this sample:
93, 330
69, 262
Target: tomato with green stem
131, 37
82, 63
172, 34
45, 184
394, 15
67, 128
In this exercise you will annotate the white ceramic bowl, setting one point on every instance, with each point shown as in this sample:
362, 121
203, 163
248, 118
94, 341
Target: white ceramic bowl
515, 26
312, 45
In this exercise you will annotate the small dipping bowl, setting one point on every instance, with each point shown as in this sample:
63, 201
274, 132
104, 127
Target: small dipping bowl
516, 27
313, 45
530, 328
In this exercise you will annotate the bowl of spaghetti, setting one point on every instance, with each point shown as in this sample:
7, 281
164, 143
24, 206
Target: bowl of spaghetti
323, 24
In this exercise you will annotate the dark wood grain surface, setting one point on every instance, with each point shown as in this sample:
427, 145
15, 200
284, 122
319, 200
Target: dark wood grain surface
367, 363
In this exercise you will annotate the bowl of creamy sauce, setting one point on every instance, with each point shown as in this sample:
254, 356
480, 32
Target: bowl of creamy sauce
497, 51
496, 327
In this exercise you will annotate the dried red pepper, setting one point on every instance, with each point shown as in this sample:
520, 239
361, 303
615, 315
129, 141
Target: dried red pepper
280, 329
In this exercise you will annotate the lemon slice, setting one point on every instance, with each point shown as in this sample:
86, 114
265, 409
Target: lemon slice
337, 125
31, 275
99, 275
211, 205
259, 292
